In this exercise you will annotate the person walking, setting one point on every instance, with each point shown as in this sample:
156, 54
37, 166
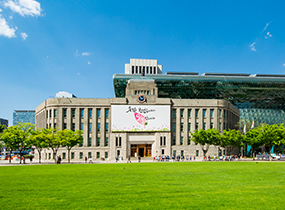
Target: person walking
129, 159
139, 158
85, 159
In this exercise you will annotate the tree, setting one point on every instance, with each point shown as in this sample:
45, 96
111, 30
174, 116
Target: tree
231, 139
38, 139
252, 138
2, 127
52, 140
16, 138
70, 139
205, 138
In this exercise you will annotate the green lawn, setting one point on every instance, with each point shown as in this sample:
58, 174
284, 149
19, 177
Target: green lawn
194, 185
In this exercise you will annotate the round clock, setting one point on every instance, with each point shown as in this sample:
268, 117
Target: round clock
141, 98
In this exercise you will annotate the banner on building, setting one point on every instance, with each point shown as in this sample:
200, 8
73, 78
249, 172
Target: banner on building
138, 118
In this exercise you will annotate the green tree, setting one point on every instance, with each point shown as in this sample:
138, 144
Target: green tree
253, 138
53, 141
70, 139
2, 127
231, 139
38, 139
205, 138
16, 138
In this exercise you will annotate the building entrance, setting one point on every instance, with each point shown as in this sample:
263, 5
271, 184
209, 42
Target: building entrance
142, 150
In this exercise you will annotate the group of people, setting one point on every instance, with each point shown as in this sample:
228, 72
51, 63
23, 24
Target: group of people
222, 158
177, 158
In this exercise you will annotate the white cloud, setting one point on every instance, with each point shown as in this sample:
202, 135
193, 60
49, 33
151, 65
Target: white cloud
24, 7
78, 74
11, 17
86, 53
252, 47
284, 64
5, 30
267, 24
89, 63
1, 10
76, 53
24, 36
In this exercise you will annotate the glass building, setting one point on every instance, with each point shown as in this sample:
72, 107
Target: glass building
3, 122
259, 97
23, 116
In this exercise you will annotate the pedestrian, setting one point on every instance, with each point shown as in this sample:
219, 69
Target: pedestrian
139, 158
85, 159
129, 159
31, 159
90, 159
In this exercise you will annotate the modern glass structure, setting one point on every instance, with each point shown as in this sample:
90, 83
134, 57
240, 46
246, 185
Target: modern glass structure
259, 97
3, 122
23, 116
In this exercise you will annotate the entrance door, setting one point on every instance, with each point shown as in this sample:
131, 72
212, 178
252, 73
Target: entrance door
141, 151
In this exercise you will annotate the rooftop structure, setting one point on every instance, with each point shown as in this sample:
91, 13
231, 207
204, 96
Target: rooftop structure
63, 94
143, 66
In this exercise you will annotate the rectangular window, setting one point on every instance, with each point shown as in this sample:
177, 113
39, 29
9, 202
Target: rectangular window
174, 153
181, 141
224, 113
189, 140
72, 155
106, 154
90, 127
181, 113
196, 126
197, 153
107, 127
136, 69
81, 144
162, 151
147, 70
98, 127
212, 113
89, 142
73, 126
54, 125
173, 140
81, 113
164, 140
220, 113
50, 113
120, 141
89, 154
197, 113
181, 127
117, 141
211, 125
55, 113
161, 141
81, 126
64, 112
73, 113
107, 142
140, 69
220, 127
174, 113
63, 155
189, 127
81, 155
90, 113
97, 155
133, 69
204, 113
150, 70
64, 126
182, 153
224, 127
98, 113
174, 127
98, 142
204, 126
107, 113
189, 113
49, 155
154, 70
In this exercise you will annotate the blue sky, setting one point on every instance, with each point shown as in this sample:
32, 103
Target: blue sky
76, 46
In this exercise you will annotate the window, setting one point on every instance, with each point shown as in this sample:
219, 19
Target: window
150, 70
174, 127
181, 127
107, 113
50, 113
63, 155
64, 126
182, 153
204, 113
164, 140
64, 112
189, 127
224, 113
81, 113
117, 141
72, 155
73, 126
136, 69
196, 126
49, 155
81, 126
55, 113
107, 127
98, 142
98, 113
120, 141
98, 127
204, 126
81, 144
162, 151
106, 154
140, 69
220, 113
174, 153
54, 125
89, 154
189, 113
154, 70
173, 140
81, 155
174, 113
107, 142
97, 155
197, 153
89, 142
73, 113
211, 125
181, 113
197, 113
220, 127
90, 113
211, 113
133, 69
90, 127
181, 140
189, 140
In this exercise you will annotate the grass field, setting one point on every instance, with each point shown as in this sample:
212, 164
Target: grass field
184, 185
